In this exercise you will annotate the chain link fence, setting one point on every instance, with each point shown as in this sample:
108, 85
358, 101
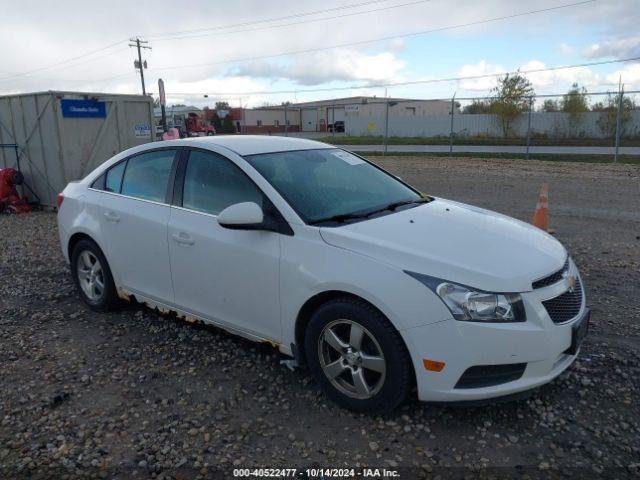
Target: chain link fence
574, 123
581, 123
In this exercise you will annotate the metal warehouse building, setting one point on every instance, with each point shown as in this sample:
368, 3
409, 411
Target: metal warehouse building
315, 116
354, 111
55, 137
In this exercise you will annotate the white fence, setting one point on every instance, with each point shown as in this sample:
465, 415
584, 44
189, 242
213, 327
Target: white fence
552, 124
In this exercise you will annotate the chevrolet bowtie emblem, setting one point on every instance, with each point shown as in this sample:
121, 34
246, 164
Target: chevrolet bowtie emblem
571, 283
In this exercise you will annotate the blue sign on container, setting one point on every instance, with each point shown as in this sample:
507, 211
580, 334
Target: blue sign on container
83, 108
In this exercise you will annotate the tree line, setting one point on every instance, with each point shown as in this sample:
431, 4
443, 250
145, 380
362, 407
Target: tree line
514, 95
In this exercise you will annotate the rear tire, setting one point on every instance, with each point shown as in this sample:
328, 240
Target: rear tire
358, 357
92, 276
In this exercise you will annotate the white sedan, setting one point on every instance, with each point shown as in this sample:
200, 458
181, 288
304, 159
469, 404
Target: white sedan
376, 286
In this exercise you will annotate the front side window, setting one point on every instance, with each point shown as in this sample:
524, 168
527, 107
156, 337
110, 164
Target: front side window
321, 184
146, 175
212, 183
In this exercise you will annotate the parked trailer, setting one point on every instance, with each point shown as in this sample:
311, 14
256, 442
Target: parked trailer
62, 136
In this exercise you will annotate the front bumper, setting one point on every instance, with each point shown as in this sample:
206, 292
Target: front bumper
547, 349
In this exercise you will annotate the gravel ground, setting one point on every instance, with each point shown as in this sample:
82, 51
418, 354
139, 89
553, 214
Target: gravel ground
131, 394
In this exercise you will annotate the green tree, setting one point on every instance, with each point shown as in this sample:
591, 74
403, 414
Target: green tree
477, 106
574, 103
609, 113
550, 105
510, 98
227, 125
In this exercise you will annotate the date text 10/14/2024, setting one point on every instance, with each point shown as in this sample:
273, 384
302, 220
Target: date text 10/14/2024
313, 473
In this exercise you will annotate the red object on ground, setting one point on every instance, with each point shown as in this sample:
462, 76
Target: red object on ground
9, 198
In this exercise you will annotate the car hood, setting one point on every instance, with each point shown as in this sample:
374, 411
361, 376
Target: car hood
456, 242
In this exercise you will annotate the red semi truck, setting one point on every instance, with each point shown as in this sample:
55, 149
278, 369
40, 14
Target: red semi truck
195, 126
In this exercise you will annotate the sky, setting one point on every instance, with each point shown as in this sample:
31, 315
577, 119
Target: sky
247, 51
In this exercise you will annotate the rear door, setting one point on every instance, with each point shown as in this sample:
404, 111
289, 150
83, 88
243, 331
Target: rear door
228, 276
133, 212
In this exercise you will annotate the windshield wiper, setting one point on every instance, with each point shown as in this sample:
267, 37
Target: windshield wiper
394, 205
341, 218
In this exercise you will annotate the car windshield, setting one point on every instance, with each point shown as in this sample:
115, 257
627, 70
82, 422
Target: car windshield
331, 185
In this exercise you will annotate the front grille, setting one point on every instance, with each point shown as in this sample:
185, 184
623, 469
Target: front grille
480, 376
553, 278
566, 306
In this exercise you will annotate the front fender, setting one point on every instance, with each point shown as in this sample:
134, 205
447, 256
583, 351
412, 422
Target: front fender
309, 266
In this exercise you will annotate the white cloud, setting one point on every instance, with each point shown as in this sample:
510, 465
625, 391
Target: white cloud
321, 67
630, 76
543, 80
397, 45
558, 78
625, 47
479, 84
34, 35
226, 88
566, 49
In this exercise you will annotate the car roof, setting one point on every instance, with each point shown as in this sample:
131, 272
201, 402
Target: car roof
254, 144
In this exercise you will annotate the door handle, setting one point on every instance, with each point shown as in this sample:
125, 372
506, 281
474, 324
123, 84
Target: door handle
112, 217
183, 239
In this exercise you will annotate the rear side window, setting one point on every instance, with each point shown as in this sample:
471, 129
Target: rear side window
114, 178
146, 176
98, 183
212, 183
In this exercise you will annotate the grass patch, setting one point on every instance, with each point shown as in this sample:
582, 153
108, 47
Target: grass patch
549, 157
482, 141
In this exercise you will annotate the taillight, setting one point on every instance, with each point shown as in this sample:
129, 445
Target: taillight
60, 198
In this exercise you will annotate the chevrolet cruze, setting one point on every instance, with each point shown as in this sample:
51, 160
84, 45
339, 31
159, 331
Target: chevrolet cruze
377, 287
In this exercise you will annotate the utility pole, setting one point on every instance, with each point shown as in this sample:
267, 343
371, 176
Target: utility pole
619, 119
529, 126
453, 110
286, 126
139, 64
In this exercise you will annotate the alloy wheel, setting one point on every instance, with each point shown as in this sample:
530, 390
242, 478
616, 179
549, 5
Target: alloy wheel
90, 275
351, 359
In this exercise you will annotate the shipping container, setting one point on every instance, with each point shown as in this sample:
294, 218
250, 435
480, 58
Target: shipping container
62, 136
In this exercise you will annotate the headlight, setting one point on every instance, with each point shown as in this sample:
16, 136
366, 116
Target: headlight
470, 305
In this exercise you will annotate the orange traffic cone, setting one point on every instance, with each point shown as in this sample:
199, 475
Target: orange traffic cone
541, 215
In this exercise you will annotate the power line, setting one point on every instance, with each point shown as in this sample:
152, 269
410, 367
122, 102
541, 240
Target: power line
266, 20
381, 39
74, 65
314, 20
62, 62
306, 50
413, 82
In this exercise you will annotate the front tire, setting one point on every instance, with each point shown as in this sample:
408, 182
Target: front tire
92, 276
357, 356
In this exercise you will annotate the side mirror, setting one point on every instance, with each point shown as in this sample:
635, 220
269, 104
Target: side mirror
242, 216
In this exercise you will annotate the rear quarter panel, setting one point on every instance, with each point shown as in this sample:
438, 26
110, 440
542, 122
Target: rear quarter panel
78, 214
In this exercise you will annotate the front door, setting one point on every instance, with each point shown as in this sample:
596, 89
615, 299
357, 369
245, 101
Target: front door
228, 276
